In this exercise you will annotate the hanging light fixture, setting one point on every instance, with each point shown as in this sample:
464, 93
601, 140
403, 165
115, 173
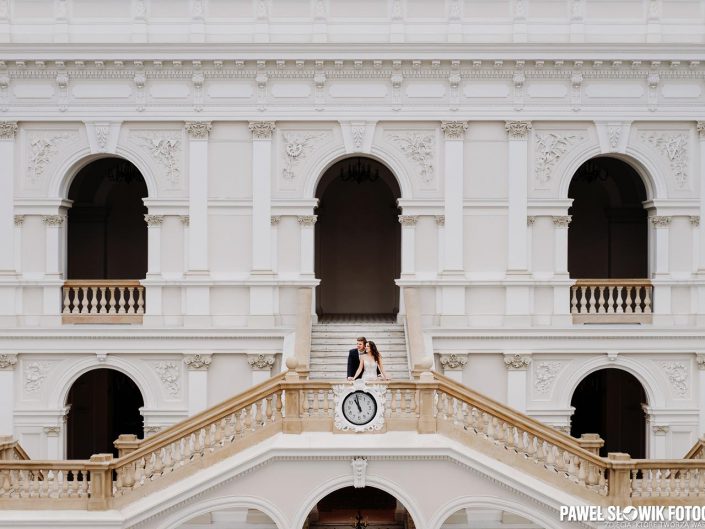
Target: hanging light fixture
360, 522
123, 172
358, 171
593, 170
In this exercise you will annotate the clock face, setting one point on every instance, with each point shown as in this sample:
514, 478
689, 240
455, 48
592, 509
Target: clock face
359, 407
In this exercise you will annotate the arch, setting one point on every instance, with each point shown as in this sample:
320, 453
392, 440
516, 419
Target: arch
61, 179
635, 158
654, 394
60, 390
327, 160
344, 481
215, 504
465, 502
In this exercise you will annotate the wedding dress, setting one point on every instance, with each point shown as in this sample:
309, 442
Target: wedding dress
369, 370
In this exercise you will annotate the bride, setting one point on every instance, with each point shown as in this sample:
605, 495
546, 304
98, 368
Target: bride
369, 362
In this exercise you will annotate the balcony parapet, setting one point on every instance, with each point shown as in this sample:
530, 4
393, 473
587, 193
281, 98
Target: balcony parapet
611, 301
102, 301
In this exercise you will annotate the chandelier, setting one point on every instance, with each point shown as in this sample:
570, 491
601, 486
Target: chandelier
593, 170
359, 171
123, 172
359, 522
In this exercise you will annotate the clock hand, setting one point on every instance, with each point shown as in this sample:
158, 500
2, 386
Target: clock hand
358, 404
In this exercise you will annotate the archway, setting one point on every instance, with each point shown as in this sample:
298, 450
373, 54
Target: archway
358, 240
349, 506
107, 235
607, 236
487, 517
610, 402
104, 403
230, 518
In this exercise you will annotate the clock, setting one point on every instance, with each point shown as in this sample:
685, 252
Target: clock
359, 407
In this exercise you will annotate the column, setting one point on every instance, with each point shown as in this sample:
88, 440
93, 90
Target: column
7, 393
198, 196
185, 220
8, 130
197, 366
454, 132
54, 245
695, 241
561, 292
275, 242
53, 437
518, 151
19, 222
517, 371
700, 361
661, 264
701, 177
261, 365
453, 365
408, 244
261, 196
441, 222
153, 302
306, 223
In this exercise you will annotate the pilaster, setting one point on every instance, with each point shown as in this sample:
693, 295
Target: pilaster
8, 362
8, 131
700, 127
197, 367
408, 244
306, 224
261, 365
197, 132
453, 365
518, 152
517, 372
700, 363
154, 263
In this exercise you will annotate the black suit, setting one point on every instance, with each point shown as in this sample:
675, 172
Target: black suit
354, 363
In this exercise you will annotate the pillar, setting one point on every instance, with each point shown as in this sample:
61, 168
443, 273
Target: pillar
517, 372
261, 196
197, 367
306, 223
700, 361
517, 231
453, 365
454, 132
261, 365
408, 244
54, 245
661, 264
7, 393
561, 296
8, 130
19, 222
153, 304
701, 177
197, 132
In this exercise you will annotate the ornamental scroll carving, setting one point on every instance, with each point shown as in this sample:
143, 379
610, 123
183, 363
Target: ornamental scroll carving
544, 374
454, 130
296, 147
675, 148
418, 147
517, 362
262, 130
198, 362
359, 467
453, 361
700, 128
677, 373
261, 362
550, 147
8, 361
169, 373
198, 130
8, 129
42, 148
165, 149
517, 130
34, 375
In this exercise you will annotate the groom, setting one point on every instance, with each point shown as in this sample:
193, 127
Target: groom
354, 356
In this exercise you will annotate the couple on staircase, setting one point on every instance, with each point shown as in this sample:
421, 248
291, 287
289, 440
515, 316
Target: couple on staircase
366, 361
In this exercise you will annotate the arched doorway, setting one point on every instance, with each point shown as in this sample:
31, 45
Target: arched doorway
610, 402
107, 234
235, 517
366, 505
104, 403
487, 517
358, 240
607, 236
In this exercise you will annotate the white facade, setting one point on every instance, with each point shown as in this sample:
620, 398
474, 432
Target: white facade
233, 110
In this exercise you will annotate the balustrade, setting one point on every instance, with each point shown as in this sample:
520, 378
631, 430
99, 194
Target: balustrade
668, 479
102, 301
611, 301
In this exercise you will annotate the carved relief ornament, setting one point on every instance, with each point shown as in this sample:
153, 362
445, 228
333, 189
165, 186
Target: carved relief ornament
675, 148
544, 374
660, 221
198, 130
359, 467
517, 362
517, 130
700, 128
677, 373
262, 130
8, 129
562, 221
198, 362
165, 149
409, 220
42, 148
296, 145
154, 220
418, 147
34, 375
453, 361
454, 130
169, 372
261, 362
549, 149
8, 361
53, 220
307, 220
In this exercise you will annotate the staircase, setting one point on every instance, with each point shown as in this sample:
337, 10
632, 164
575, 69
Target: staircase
330, 343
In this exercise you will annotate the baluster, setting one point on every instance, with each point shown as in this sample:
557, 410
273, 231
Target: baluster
248, 419
269, 413
130, 309
305, 403
583, 305
84, 301
591, 477
112, 303
76, 301
314, 403
121, 300
610, 299
636, 484
440, 405
140, 300
259, 416
280, 404
619, 301
647, 299
574, 299
601, 300
637, 300
103, 301
628, 301
93, 300
67, 302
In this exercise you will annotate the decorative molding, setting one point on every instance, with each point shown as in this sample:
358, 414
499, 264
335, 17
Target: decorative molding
358, 132
700, 128
677, 373
409, 220
151, 430
296, 145
34, 375
275, 219
614, 134
169, 373
52, 431
53, 220
19, 220
164, 148
674, 146
102, 134
359, 468
549, 149
660, 429
42, 148
185, 219
454, 130
694, 220
544, 374
660, 221
154, 220
8, 361
262, 130
418, 147
454, 361
562, 428
307, 220
562, 221
101, 357
516, 362
261, 362
198, 130
530, 220
700, 361
517, 130
441, 220
8, 129
198, 362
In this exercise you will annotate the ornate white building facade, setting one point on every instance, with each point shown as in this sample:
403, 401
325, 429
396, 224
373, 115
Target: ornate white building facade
239, 118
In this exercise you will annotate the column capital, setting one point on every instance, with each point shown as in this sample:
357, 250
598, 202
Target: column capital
185, 219
8, 362
441, 220
261, 362
19, 220
530, 220
454, 361
660, 221
700, 361
262, 130
198, 362
517, 362
695, 220
274, 220
517, 130
454, 130
409, 220
700, 127
562, 221
198, 130
8, 129
306, 220
154, 220
53, 220
52, 431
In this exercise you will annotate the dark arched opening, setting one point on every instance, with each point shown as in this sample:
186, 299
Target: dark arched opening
107, 234
104, 403
358, 240
366, 505
610, 402
607, 236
